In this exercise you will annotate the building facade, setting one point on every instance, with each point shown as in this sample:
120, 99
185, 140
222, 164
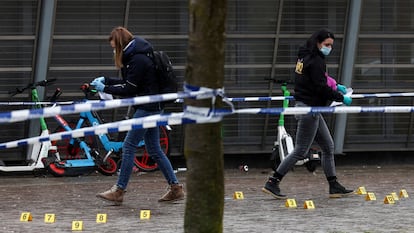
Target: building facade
373, 53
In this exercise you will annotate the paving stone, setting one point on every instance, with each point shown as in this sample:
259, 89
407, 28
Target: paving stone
73, 199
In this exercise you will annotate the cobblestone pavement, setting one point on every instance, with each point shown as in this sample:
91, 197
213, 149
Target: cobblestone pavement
73, 199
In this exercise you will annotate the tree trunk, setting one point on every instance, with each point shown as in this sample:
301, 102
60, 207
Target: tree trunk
203, 143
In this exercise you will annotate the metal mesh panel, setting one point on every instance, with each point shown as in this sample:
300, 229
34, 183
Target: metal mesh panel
18, 17
307, 16
384, 63
252, 17
166, 17
387, 16
92, 17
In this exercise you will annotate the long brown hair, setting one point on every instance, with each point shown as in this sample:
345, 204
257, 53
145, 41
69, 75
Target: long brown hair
121, 37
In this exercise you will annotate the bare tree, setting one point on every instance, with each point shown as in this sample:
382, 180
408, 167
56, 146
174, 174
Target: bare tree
203, 142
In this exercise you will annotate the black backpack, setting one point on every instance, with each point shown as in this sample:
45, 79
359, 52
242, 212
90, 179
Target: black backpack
167, 80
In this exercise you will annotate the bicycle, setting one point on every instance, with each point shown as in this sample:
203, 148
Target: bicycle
41, 150
112, 148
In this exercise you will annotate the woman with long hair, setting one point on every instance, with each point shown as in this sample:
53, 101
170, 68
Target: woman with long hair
312, 90
132, 55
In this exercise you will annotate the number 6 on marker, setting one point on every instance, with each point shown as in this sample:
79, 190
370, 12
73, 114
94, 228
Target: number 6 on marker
25, 217
145, 214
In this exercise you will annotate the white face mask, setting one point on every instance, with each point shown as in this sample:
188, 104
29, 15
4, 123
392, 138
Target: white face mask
325, 50
114, 51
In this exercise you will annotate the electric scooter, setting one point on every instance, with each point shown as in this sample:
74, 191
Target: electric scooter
284, 145
38, 151
45, 155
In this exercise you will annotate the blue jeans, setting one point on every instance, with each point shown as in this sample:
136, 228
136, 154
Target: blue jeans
311, 127
151, 137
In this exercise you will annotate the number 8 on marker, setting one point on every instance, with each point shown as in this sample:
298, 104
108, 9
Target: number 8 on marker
101, 218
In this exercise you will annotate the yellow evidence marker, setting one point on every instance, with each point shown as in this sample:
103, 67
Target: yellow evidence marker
145, 214
290, 203
238, 195
101, 218
309, 205
403, 193
370, 196
26, 217
389, 200
77, 225
50, 218
395, 196
361, 190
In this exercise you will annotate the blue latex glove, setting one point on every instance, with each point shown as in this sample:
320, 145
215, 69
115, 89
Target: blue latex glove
341, 88
99, 79
99, 86
347, 100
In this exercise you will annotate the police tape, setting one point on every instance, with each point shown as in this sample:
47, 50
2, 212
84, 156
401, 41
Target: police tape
26, 114
119, 126
196, 115
232, 99
353, 96
26, 103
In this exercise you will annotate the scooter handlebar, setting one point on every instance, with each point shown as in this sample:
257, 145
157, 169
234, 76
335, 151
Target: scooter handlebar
42, 83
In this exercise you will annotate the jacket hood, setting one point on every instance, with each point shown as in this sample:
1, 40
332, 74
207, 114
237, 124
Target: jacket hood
304, 51
137, 45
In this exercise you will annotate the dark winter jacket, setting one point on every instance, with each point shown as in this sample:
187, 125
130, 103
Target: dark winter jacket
138, 74
310, 81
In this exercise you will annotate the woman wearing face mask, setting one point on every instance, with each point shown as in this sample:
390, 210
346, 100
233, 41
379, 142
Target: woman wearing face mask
138, 79
312, 89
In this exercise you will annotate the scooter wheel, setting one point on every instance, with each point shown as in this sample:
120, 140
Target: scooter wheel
274, 159
312, 165
108, 168
55, 170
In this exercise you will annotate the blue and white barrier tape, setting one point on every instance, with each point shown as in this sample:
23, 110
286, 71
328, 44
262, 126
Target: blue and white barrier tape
383, 95
233, 99
193, 115
335, 110
354, 96
258, 99
135, 123
26, 114
38, 103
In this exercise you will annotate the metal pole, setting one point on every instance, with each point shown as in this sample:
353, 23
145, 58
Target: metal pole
42, 53
350, 44
272, 72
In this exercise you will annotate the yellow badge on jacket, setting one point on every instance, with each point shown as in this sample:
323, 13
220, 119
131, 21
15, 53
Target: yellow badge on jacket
299, 66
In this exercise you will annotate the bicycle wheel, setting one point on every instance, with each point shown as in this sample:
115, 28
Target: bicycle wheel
66, 149
143, 160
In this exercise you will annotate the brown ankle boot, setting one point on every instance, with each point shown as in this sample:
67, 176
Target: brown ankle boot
115, 194
175, 193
